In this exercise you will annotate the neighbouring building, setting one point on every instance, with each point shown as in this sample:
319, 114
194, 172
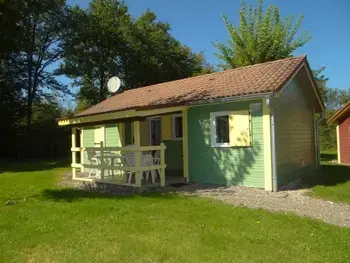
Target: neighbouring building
342, 119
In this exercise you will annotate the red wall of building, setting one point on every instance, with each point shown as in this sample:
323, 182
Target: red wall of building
344, 140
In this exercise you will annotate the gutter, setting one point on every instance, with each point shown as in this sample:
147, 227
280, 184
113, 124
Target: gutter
232, 98
273, 146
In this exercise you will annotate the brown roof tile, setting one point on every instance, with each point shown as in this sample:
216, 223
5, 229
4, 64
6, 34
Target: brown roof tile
255, 79
340, 113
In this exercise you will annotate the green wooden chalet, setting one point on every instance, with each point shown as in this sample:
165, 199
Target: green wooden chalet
255, 126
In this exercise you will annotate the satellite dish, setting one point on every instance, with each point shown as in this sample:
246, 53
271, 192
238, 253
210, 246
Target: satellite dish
113, 84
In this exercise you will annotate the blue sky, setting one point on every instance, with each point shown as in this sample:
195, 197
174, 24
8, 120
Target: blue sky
197, 23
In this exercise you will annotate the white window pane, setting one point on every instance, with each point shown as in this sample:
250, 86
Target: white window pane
178, 127
222, 129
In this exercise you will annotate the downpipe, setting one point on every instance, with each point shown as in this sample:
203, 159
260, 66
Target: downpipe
273, 146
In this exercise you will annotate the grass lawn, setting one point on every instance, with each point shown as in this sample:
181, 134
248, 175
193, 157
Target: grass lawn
43, 223
333, 182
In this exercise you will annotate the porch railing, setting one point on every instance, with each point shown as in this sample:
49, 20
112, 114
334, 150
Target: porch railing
104, 168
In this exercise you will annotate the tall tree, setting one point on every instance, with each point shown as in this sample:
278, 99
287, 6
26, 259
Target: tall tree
11, 102
10, 31
156, 56
333, 100
94, 48
43, 26
107, 41
260, 37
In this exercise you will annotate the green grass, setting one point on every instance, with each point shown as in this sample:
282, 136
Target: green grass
329, 155
49, 224
332, 183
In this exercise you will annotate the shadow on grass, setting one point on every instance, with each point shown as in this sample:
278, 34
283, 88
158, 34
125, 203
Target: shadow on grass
72, 195
328, 156
330, 175
31, 165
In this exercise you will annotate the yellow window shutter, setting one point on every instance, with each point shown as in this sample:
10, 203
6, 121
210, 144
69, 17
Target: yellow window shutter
166, 127
240, 129
143, 133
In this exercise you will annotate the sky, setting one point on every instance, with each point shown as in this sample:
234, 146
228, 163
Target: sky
197, 23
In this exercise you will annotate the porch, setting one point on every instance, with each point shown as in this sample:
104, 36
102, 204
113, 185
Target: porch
132, 151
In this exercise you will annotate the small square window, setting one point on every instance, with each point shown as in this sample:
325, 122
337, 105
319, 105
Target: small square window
222, 129
230, 129
177, 127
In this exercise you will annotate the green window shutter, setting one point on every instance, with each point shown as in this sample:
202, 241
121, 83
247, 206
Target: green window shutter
112, 135
88, 136
240, 131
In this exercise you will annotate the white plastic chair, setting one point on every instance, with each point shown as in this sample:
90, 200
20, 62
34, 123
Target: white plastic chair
91, 154
146, 160
156, 160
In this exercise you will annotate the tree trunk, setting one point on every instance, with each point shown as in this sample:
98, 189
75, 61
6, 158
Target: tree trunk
101, 96
29, 112
29, 105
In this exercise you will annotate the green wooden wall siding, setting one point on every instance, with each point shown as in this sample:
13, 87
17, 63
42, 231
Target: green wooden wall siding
88, 136
295, 139
173, 155
231, 165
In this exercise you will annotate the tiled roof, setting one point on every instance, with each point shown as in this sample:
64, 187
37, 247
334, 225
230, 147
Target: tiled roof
342, 112
256, 79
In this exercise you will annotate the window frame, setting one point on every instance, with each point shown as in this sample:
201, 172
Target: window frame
173, 129
213, 134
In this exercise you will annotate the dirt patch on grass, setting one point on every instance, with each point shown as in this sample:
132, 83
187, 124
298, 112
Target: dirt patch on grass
296, 201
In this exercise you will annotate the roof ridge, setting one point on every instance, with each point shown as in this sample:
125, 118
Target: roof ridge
217, 72
141, 94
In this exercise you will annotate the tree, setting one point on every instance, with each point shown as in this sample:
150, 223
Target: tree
10, 31
94, 48
11, 101
43, 27
333, 100
106, 41
156, 56
260, 37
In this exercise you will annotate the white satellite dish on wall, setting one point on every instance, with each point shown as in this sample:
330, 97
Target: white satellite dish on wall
113, 84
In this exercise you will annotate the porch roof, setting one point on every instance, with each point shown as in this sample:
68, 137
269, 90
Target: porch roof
255, 79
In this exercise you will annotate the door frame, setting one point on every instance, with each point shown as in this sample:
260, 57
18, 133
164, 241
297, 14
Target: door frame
149, 127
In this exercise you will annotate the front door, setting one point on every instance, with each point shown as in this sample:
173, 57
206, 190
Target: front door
155, 131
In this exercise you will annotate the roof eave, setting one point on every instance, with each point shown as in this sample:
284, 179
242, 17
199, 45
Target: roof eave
339, 113
232, 98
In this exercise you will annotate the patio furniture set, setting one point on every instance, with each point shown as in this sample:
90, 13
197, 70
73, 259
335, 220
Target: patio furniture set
123, 159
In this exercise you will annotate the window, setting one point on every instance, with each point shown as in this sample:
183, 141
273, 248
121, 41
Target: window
220, 130
230, 129
176, 127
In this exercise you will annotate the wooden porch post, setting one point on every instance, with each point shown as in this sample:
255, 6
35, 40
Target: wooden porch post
102, 161
74, 155
81, 149
138, 173
162, 162
185, 143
